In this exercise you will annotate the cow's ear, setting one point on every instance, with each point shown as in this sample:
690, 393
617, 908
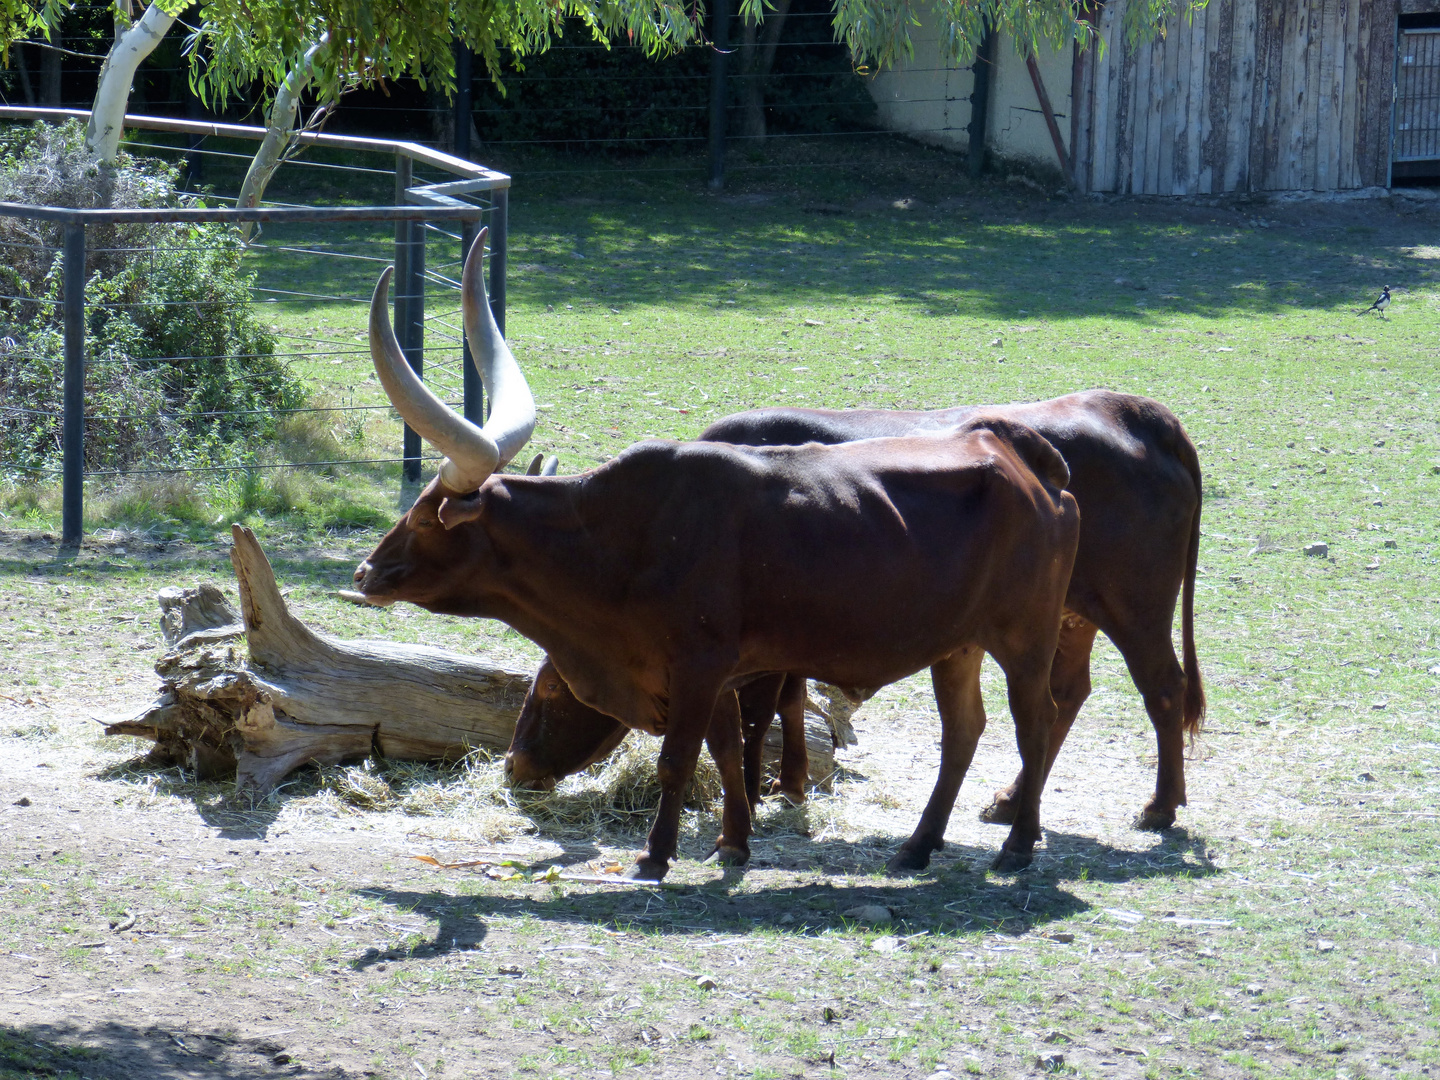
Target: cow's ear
455, 511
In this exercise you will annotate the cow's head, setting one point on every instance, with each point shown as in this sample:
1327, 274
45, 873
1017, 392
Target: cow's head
424, 555
556, 735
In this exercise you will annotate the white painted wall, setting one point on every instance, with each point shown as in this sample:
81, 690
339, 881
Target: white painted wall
930, 100
925, 97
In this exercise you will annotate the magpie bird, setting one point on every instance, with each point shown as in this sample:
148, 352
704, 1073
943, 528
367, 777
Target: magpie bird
1381, 303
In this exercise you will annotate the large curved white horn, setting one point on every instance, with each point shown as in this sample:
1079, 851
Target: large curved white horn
512, 409
471, 454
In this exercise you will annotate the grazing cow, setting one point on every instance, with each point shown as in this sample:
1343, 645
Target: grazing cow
1136, 476
677, 572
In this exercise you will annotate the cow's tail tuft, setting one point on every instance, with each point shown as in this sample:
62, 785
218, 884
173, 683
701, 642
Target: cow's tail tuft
1194, 684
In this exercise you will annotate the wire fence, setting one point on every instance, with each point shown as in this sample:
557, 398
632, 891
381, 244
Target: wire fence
153, 341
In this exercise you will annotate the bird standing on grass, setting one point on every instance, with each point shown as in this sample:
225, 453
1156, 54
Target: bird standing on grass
1381, 303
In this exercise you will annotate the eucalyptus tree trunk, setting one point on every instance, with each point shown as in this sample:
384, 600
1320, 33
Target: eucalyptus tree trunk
134, 41
757, 58
279, 130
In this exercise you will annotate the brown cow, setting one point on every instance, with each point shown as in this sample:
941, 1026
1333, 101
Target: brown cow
1136, 476
678, 571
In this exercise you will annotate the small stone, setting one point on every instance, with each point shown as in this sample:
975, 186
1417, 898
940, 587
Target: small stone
1379, 442
813, 322
1053, 1037
1051, 1062
1254, 989
510, 969
1318, 550
1379, 705
1392, 544
1064, 937
706, 982
1325, 945
23, 800
996, 343
941, 1074
1366, 777
869, 913
886, 944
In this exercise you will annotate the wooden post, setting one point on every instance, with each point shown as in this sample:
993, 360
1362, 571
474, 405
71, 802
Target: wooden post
1050, 123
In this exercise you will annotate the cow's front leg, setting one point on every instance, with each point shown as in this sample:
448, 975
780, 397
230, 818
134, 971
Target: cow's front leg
724, 739
692, 701
962, 722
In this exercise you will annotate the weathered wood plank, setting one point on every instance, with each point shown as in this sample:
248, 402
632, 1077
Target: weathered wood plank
1196, 98
1239, 131
1102, 109
1283, 172
1155, 125
1171, 107
1311, 93
1216, 119
1348, 176
1141, 68
1377, 68
1327, 93
1269, 46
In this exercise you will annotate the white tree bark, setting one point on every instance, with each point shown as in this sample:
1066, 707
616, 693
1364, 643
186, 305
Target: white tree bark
117, 76
279, 130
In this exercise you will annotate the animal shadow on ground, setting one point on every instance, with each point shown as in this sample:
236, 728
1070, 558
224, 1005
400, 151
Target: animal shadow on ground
954, 896
111, 1051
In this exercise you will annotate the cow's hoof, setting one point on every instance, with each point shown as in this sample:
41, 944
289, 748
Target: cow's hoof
728, 856
793, 798
908, 861
999, 812
647, 870
1010, 862
1154, 820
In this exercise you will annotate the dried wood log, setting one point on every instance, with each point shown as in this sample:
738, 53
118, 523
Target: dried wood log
300, 697
296, 697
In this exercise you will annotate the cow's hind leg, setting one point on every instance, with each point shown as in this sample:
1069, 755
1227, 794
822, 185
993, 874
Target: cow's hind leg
962, 721
1033, 707
733, 846
758, 702
692, 705
1150, 657
1070, 686
794, 757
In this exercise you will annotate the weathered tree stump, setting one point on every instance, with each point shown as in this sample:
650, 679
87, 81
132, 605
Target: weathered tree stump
301, 697
297, 697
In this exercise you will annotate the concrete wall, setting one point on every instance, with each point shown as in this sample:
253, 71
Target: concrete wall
929, 99
925, 97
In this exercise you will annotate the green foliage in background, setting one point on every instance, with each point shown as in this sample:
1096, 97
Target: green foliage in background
180, 370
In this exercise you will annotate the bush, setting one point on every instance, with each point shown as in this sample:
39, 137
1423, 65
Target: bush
180, 370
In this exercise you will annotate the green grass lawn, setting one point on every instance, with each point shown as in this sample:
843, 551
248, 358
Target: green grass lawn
641, 306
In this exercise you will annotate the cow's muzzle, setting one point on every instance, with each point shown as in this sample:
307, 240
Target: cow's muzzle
522, 771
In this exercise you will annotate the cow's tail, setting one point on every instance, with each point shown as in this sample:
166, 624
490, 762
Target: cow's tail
1194, 685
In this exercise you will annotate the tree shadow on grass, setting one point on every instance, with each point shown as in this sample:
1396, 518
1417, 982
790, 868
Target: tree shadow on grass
112, 1051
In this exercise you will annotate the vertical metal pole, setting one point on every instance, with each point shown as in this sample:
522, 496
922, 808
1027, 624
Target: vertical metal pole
404, 177
474, 400
720, 33
414, 338
72, 491
499, 249
464, 100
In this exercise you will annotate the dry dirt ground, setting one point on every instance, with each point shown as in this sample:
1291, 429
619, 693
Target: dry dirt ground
154, 928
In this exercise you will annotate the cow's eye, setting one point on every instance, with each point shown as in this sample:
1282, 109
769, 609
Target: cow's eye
422, 523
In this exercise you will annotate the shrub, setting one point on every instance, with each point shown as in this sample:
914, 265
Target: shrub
179, 368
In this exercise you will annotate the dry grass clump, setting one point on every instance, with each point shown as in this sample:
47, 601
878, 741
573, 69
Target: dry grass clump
623, 790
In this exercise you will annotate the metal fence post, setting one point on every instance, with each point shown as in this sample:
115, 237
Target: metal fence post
474, 395
413, 339
720, 50
404, 177
499, 249
72, 484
